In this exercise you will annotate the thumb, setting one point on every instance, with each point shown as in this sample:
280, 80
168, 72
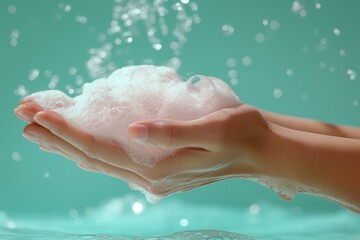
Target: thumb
174, 134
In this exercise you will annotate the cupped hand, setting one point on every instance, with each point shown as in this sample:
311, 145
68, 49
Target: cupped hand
224, 144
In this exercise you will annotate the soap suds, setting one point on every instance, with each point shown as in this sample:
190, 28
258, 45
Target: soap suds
107, 106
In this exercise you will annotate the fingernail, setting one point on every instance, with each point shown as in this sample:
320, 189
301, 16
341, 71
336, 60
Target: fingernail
138, 132
22, 114
31, 137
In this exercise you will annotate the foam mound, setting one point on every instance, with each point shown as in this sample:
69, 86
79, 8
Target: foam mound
107, 106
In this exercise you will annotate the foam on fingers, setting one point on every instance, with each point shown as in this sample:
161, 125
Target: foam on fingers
108, 106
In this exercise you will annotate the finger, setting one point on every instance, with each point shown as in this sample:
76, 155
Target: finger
204, 132
47, 138
87, 168
104, 151
27, 110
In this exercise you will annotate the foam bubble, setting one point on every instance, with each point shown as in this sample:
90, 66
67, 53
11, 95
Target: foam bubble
108, 106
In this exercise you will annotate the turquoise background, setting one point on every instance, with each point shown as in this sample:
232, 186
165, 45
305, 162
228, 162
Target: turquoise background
47, 43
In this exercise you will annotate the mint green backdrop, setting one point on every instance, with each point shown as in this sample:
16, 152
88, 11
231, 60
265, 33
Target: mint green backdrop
314, 90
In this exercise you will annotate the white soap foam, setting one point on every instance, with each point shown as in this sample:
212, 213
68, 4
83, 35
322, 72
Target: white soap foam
107, 106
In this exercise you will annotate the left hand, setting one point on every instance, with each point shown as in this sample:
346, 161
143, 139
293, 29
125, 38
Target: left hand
213, 148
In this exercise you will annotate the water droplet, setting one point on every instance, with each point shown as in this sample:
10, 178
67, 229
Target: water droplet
274, 25
304, 97
72, 71
342, 52
351, 74
317, 6
157, 46
227, 29
259, 37
234, 81
185, 1
117, 41
254, 209
289, 72
137, 207
231, 62
184, 222
246, 61
265, 22
21, 91
277, 93
336, 31
81, 19
16, 156
14, 35
34, 74
232, 73
67, 8
322, 65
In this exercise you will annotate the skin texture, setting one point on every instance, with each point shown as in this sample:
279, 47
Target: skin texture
241, 142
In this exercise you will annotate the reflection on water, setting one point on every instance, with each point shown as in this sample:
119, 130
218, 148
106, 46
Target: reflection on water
129, 217
186, 235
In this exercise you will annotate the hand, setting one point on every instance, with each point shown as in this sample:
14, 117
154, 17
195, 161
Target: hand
224, 144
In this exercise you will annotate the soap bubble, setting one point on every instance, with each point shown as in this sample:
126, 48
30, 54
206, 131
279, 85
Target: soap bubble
232, 73
14, 36
67, 8
46, 174
355, 103
289, 72
231, 62
34, 74
342, 52
246, 61
16, 156
11, 9
227, 29
274, 25
336, 31
73, 71
81, 19
277, 93
234, 81
265, 22
332, 69
157, 46
317, 6
259, 37
322, 65
21, 91
304, 97
351, 74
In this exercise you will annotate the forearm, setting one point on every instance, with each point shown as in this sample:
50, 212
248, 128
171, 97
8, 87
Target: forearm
313, 126
323, 165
